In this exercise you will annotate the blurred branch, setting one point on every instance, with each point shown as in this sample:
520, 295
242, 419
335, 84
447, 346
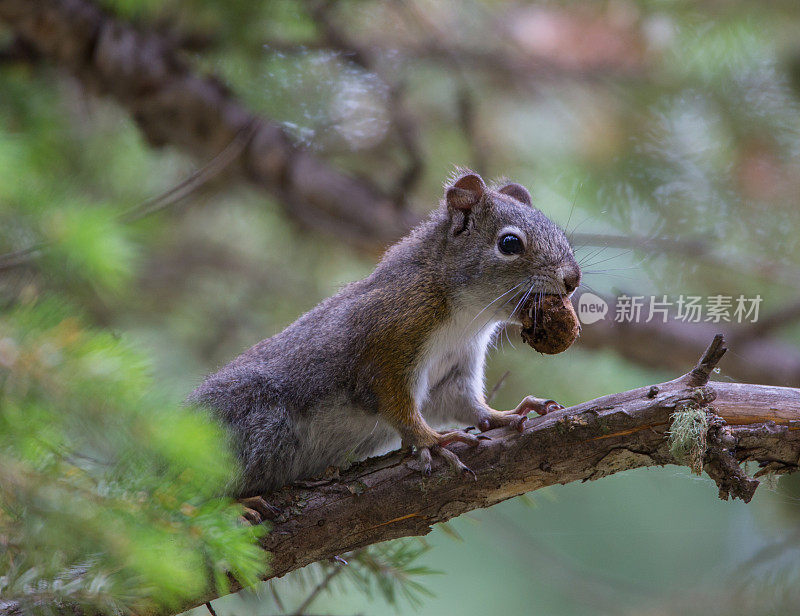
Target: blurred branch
588, 48
693, 249
672, 344
667, 245
788, 315
195, 181
599, 590
387, 498
335, 37
173, 105
190, 185
468, 120
18, 258
276, 597
18, 51
465, 99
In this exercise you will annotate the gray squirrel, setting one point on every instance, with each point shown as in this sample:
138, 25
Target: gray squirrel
369, 367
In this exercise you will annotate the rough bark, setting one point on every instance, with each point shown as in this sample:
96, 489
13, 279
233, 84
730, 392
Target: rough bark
173, 105
386, 498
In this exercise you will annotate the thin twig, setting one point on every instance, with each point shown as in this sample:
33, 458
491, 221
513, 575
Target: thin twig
276, 597
16, 258
468, 120
497, 386
407, 135
336, 570
196, 180
683, 247
700, 373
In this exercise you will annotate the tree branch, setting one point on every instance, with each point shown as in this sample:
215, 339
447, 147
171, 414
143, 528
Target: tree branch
386, 497
173, 105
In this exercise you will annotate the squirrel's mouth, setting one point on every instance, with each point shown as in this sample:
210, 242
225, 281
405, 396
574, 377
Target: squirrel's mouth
524, 304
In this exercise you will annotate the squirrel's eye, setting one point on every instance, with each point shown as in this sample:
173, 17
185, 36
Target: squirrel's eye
510, 244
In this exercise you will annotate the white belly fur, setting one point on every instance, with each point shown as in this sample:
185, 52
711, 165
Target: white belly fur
461, 341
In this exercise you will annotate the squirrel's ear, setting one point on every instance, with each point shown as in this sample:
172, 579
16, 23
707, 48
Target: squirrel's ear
465, 193
518, 192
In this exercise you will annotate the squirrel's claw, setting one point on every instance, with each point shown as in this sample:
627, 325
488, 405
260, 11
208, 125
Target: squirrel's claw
541, 406
424, 459
457, 436
257, 510
498, 419
250, 516
515, 418
452, 459
425, 455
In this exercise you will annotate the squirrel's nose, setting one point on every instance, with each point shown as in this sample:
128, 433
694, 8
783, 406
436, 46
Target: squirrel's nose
571, 281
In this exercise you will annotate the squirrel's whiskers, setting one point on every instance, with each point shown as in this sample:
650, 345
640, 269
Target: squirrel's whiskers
370, 367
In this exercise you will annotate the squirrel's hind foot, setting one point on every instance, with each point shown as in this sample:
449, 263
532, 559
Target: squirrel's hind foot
425, 454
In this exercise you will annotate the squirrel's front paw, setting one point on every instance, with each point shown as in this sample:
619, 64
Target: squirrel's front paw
425, 454
516, 417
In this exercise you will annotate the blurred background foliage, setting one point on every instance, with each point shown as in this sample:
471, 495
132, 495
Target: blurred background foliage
671, 123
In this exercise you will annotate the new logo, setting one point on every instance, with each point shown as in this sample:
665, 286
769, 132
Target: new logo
591, 308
